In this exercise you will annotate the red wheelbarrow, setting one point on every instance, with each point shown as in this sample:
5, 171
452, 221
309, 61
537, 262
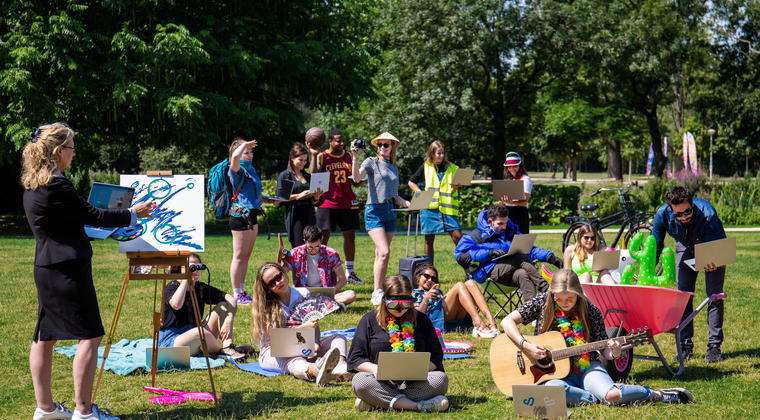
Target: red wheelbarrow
629, 307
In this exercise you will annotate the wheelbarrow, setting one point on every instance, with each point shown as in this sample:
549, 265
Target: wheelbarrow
630, 307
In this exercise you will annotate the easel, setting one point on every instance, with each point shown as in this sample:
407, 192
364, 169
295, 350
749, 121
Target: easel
159, 263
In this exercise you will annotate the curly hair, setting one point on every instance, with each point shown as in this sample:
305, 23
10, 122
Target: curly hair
677, 195
39, 159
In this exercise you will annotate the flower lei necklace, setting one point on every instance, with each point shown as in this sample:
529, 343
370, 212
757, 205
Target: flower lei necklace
401, 339
572, 330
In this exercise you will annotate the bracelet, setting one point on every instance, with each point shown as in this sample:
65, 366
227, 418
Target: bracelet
521, 343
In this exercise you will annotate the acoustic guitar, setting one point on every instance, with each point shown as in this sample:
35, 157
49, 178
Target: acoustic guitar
510, 366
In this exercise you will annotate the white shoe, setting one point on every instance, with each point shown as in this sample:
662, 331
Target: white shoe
433, 405
361, 405
340, 369
325, 364
97, 414
377, 297
483, 333
495, 331
60, 412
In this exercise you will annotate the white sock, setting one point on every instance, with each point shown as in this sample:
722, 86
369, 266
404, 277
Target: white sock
349, 267
242, 286
237, 291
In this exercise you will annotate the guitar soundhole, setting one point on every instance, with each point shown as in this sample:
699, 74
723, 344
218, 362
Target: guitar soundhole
546, 362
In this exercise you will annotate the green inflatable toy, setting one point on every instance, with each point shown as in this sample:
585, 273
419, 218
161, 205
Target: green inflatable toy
647, 259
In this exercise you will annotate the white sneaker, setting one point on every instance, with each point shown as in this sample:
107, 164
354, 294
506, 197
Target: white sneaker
340, 369
377, 297
97, 414
361, 405
60, 412
325, 364
482, 333
433, 405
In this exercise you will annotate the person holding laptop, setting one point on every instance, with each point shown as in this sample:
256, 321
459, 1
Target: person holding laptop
691, 221
179, 326
484, 250
67, 303
396, 326
580, 257
299, 211
382, 193
436, 174
565, 308
316, 265
518, 206
273, 301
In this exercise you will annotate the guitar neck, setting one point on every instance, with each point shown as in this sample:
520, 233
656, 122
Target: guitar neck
583, 348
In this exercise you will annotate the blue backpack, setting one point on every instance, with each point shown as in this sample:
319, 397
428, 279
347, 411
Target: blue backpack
220, 195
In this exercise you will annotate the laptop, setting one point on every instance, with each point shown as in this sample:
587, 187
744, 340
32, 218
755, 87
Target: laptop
521, 244
420, 201
463, 177
540, 401
319, 181
512, 188
169, 357
606, 260
403, 366
324, 291
284, 189
292, 342
107, 196
720, 252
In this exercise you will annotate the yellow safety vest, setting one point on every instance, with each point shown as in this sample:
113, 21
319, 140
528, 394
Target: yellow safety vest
444, 198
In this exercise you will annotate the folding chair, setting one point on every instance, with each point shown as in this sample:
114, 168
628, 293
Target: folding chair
507, 298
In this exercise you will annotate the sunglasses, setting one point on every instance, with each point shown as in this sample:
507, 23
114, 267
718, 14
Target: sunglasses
383, 145
313, 248
430, 277
398, 304
686, 212
589, 238
197, 267
273, 282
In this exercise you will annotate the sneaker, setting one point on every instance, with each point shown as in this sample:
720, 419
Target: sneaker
353, 278
713, 354
230, 352
674, 396
341, 373
361, 405
243, 299
324, 365
377, 297
59, 412
477, 333
686, 353
97, 414
433, 405
495, 330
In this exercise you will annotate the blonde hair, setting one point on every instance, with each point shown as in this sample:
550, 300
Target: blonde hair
395, 286
580, 250
265, 308
565, 280
39, 160
432, 149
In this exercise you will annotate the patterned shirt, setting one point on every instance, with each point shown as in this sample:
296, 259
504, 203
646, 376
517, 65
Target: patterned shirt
329, 261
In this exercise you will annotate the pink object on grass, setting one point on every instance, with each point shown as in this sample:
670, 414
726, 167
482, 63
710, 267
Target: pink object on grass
176, 397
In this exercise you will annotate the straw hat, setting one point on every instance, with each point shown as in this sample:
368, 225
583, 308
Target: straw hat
385, 136
513, 159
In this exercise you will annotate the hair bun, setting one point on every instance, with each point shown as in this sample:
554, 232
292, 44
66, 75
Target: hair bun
35, 134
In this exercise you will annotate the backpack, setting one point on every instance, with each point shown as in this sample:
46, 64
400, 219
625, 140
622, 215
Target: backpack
220, 195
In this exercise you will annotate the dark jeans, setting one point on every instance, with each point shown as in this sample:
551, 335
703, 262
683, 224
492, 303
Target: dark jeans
517, 271
687, 279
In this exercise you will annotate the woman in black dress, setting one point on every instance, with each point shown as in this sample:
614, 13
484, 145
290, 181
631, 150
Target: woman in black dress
68, 306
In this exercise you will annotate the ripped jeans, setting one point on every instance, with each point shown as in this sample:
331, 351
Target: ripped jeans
593, 385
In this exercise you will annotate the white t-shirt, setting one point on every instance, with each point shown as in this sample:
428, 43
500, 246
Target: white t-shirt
312, 279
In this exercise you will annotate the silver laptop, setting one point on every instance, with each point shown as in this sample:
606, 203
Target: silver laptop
521, 244
512, 188
606, 260
719, 252
169, 357
463, 177
403, 366
540, 401
292, 342
324, 291
107, 196
319, 180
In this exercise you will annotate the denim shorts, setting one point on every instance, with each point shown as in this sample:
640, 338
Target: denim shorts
380, 216
166, 337
433, 221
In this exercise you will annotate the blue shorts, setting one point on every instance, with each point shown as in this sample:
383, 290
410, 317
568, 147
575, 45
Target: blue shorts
166, 337
380, 216
433, 221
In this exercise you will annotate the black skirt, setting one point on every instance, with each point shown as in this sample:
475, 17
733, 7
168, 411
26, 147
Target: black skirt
68, 306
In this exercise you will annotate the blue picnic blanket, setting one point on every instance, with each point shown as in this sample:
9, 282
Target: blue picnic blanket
127, 356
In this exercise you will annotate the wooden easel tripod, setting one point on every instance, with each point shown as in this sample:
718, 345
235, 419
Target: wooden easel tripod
159, 263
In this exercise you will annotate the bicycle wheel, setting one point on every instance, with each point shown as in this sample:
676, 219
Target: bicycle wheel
641, 227
571, 235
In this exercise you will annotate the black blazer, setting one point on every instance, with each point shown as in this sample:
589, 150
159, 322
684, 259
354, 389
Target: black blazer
57, 215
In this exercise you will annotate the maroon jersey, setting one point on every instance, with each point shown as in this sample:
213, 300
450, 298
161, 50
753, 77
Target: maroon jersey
340, 195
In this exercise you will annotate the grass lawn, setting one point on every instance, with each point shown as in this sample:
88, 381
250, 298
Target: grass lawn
728, 389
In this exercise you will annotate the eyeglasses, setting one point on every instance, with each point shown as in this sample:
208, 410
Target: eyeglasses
273, 282
312, 248
430, 277
679, 214
398, 304
73, 148
383, 145
589, 238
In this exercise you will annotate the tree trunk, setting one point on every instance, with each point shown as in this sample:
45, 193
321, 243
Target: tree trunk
614, 164
653, 124
575, 168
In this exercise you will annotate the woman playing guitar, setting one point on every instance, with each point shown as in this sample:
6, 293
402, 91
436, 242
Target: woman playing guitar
566, 309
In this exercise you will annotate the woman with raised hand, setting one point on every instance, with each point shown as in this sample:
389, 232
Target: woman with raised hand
294, 181
396, 326
514, 168
273, 302
580, 257
68, 305
382, 194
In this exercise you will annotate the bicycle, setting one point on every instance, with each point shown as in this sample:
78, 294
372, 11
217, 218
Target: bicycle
629, 217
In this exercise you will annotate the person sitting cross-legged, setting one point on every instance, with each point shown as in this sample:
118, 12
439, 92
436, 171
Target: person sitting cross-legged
316, 265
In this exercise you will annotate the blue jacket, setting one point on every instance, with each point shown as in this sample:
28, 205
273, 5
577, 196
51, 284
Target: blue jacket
705, 226
474, 247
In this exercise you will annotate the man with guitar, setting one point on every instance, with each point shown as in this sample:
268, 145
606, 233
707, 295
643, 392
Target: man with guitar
566, 318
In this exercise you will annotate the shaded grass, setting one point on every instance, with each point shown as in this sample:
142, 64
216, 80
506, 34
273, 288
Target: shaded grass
728, 389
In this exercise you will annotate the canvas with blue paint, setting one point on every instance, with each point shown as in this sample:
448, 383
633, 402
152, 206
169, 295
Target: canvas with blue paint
178, 220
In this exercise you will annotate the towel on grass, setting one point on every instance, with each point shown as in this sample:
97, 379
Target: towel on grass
255, 367
127, 356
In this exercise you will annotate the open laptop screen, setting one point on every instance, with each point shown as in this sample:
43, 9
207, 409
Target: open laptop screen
109, 196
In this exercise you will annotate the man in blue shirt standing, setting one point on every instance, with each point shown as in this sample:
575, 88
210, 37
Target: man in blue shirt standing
691, 221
